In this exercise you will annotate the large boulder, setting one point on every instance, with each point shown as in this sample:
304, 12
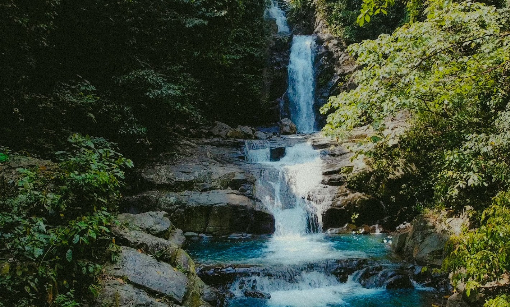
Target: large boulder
287, 126
194, 175
221, 130
118, 293
148, 273
150, 244
155, 223
218, 212
423, 240
349, 206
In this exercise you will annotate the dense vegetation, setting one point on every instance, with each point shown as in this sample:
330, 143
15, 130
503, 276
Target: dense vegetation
55, 224
123, 71
128, 70
450, 73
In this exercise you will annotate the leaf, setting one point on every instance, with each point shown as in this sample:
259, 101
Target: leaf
69, 255
3, 157
76, 238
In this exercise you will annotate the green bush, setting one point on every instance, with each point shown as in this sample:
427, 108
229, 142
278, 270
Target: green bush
55, 228
482, 256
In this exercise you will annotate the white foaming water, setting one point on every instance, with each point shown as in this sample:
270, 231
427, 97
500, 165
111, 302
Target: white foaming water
298, 238
301, 90
308, 289
279, 15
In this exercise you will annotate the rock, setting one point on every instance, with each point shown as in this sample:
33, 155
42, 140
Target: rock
399, 282
221, 130
257, 294
235, 134
146, 272
399, 241
183, 262
344, 268
218, 212
117, 293
193, 175
287, 126
423, 242
334, 217
210, 295
347, 204
136, 239
248, 132
276, 153
334, 180
260, 135
152, 222
346, 229
456, 300
177, 237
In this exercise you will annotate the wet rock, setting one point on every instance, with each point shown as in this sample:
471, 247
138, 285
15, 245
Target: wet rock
257, 294
260, 135
276, 153
152, 222
378, 276
344, 268
287, 126
399, 282
211, 295
334, 180
146, 272
333, 218
348, 205
346, 229
117, 293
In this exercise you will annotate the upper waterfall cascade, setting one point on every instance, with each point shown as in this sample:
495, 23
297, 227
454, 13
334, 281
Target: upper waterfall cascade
301, 88
278, 14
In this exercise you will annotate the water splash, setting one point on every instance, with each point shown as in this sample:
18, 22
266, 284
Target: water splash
301, 90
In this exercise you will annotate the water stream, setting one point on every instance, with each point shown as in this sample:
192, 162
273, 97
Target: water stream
278, 14
299, 265
301, 90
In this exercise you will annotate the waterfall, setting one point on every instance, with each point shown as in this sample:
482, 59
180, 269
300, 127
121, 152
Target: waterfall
301, 90
279, 15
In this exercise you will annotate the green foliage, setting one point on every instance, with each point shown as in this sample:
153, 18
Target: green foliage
482, 256
448, 76
55, 228
500, 301
341, 19
451, 73
128, 70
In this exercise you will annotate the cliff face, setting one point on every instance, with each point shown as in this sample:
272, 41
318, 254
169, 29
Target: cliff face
334, 65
